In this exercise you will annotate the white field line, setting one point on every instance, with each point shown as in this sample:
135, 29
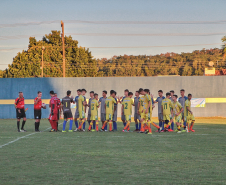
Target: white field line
24, 137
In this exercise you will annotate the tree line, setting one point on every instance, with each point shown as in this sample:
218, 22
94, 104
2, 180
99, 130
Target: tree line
81, 63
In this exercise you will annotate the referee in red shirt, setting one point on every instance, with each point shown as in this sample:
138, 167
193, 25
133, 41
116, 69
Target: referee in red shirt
20, 112
38, 110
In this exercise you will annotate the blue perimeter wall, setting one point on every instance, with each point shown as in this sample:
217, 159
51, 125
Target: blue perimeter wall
199, 86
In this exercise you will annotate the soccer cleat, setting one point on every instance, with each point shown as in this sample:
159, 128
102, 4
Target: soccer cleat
166, 130
176, 130
149, 132
183, 131
141, 132
159, 130
22, 130
93, 130
37, 131
170, 130
102, 130
83, 130
18, 130
105, 130
136, 130
192, 130
179, 132
70, 130
52, 130
58, 130
76, 130
64, 131
124, 130
110, 130
88, 130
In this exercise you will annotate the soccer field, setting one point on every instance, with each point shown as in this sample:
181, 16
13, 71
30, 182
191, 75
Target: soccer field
113, 157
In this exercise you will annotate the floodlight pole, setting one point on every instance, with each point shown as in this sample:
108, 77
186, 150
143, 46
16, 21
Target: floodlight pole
62, 35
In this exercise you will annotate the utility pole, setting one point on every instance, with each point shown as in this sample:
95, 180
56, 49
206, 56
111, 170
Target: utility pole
62, 35
42, 59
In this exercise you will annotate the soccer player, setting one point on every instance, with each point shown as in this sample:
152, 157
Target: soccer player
188, 114
115, 113
38, 110
127, 111
81, 109
66, 105
89, 109
176, 111
109, 107
148, 112
122, 115
79, 92
53, 117
159, 101
94, 112
136, 114
140, 109
83, 94
102, 108
171, 98
182, 100
20, 112
59, 110
166, 110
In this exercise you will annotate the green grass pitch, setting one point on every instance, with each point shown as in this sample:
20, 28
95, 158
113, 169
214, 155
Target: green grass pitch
113, 158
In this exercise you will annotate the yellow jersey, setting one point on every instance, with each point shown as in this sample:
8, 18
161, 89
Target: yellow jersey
187, 104
141, 101
80, 103
167, 105
176, 106
127, 106
94, 107
109, 102
147, 99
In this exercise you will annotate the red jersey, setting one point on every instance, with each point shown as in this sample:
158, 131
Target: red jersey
38, 106
54, 105
19, 102
58, 103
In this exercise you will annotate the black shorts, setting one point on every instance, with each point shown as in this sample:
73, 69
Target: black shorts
37, 114
67, 115
58, 115
21, 114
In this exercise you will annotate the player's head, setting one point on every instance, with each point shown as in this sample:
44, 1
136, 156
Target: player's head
126, 92
141, 91
83, 92
174, 97
51, 93
104, 93
91, 93
167, 95
21, 94
182, 91
130, 94
39, 94
96, 96
137, 93
189, 96
79, 91
68, 93
146, 91
55, 94
112, 93
171, 93
160, 93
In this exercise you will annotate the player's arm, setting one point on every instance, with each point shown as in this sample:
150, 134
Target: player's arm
138, 106
49, 104
149, 104
154, 101
122, 109
189, 109
15, 104
162, 108
36, 101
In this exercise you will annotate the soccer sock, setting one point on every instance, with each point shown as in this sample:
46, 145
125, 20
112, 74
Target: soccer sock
23, 123
110, 126
89, 122
125, 127
70, 124
104, 125
94, 125
80, 124
76, 124
90, 125
84, 125
35, 126
64, 125
160, 123
38, 125
128, 127
124, 123
178, 127
172, 125
18, 125
156, 126
149, 126
54, 125
136, 125
185, 125
139, 125
192, 123
142, 127
97, 126
114, 125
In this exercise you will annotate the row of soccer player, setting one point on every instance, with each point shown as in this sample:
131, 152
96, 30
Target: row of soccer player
142, 116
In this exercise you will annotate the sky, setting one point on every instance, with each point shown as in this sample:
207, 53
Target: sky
108, 28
